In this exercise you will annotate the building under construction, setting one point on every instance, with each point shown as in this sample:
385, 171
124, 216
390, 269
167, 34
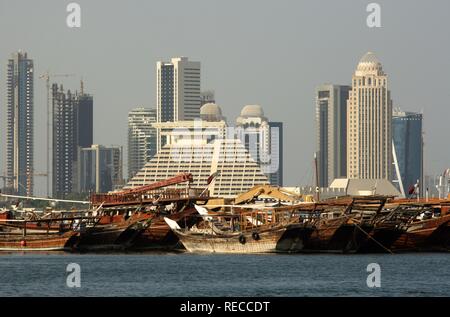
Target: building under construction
72, 128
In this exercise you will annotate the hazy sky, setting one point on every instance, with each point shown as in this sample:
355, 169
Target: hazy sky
271, 53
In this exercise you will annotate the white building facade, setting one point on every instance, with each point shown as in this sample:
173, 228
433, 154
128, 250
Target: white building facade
177, 91
369, 122
203, 147
141, 138
263, 140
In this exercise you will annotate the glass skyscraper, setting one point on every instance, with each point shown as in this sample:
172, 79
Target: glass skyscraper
408, 150
99, 168
331, 125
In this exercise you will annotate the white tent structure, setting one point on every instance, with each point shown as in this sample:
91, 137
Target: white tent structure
365, 187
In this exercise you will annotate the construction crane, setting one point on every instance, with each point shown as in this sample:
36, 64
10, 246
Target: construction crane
123, 195
180, 178
6, 177
46, 77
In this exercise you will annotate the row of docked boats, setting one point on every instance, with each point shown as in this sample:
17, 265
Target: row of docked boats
161, 216
344, 225
85, 231
126, 220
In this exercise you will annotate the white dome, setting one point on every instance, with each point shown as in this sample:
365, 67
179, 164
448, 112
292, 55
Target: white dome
369, 57
252, 111
369, 62
211, 112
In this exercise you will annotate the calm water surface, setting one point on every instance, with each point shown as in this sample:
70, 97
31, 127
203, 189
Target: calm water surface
182, 274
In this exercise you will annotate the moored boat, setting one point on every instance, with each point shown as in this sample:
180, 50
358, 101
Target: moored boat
36, 235
158, 235
109, 232
336, 225
146, 205
38, 241
426, 230
255, 231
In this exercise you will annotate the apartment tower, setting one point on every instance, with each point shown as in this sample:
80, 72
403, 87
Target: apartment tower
369, 122
19, 126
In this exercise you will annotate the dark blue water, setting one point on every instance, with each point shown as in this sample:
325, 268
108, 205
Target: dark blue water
150, 274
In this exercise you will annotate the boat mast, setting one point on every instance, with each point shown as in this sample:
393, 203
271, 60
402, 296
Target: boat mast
317, 177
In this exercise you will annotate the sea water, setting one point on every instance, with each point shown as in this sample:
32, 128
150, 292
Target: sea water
184, 274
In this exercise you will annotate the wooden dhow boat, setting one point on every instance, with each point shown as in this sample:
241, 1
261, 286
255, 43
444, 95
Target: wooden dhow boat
35, 235
146, 206
255, 231
336, 225
427, 229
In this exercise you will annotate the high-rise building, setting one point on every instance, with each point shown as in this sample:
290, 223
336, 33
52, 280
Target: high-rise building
85, 118
331, 136
141, 138
408, 150
207, 96
177, 91
263, 141
64, 147
99, 168
276, 132
72, 128
369, 122
19, 131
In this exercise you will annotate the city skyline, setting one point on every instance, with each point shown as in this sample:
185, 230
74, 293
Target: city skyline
232, 92
368, 75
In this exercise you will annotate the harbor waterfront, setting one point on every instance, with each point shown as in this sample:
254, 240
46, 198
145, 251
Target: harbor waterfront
178, 274
219, 157
264, 219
